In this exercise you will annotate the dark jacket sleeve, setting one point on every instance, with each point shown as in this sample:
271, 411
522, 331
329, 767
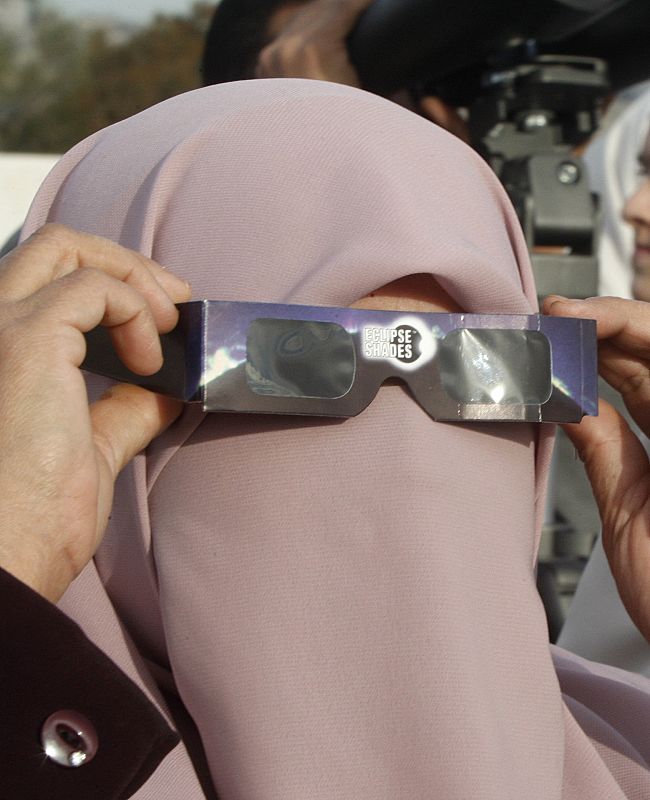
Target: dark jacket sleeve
47, 666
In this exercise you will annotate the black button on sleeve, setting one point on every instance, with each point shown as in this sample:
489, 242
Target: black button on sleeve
47, 665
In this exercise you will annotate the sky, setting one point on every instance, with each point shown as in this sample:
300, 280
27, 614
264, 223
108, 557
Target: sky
131, 10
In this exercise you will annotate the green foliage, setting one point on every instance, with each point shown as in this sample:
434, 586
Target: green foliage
78, 81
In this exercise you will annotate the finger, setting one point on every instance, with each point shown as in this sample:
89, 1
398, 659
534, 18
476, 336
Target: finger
124, 421
62, 311
294, 55
623, 328
629, 375
445, 116
615, 461
55, 251
625, 322
276, 61
311, 43
328, 19
618, 469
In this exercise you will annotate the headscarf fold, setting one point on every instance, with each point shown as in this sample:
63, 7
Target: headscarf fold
341, 609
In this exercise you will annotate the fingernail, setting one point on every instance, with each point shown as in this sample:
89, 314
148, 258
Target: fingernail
552, 299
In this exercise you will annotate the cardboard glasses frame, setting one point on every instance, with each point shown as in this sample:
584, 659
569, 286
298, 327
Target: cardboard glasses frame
291, 359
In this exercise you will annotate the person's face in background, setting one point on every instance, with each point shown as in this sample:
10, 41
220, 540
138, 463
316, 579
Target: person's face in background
637, 213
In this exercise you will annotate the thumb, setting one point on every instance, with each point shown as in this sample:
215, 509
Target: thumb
125, 420
616, 464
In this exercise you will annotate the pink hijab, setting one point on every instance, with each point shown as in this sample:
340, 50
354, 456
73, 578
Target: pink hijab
337, 609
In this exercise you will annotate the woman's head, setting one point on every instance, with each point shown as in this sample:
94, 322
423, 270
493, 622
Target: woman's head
290, 191
327, 595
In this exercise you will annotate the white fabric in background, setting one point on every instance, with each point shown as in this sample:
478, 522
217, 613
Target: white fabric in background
20, 176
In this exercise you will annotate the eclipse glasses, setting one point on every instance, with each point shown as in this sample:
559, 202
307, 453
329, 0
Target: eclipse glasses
291, 359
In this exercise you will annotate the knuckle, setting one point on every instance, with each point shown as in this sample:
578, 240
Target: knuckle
283, 57
141, 311
637, 382
58, 244
594, 450
57, 234
266, 59
89, 278
92, 282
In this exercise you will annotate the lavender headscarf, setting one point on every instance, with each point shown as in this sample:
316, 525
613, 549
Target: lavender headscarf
342, 609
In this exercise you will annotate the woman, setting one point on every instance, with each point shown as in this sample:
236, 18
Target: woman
598, 626
337, 609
